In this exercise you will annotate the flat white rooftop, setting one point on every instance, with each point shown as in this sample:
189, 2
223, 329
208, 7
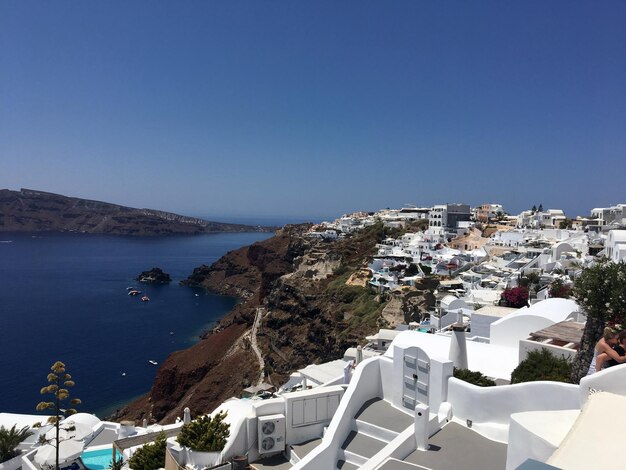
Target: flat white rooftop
495, 311
322, 373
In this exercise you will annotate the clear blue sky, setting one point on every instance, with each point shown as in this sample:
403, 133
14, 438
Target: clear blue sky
315, 108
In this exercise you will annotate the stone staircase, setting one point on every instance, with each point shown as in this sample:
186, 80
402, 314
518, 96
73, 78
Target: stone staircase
298, 451
374, 426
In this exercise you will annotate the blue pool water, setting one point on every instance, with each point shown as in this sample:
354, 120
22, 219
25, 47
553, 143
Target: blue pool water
98, 459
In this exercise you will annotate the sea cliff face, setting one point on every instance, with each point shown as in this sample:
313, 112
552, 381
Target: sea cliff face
38, 211
315, 307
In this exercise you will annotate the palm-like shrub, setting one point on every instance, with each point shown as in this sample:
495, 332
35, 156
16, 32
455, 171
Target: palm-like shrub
10, 439
150, 456
205, 434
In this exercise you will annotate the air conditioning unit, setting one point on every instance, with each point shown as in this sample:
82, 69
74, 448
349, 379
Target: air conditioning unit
271, 433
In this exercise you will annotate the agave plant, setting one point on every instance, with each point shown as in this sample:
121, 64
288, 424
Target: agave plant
59, 383
205, 434
10, 439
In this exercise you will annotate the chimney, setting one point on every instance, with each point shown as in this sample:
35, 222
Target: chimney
458, 347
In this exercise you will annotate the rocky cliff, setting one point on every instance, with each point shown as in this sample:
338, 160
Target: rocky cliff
315, 307
38, 211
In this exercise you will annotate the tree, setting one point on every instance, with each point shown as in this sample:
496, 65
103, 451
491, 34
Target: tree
533, 210
542, 365
540, 208
412, 270
150, 456
58, 384
601, 291
10, 439
205, 434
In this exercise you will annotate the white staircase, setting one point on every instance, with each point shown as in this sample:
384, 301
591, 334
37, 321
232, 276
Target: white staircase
374, 426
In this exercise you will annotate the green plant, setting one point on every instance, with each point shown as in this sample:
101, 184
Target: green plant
473, 377
10, 439
205, 434
117, 464
59, 381
412, 270
542, 365
559, 290
426, 269
150, 456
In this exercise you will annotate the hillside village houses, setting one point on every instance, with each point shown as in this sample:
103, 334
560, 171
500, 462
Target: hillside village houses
482, 267
488, 212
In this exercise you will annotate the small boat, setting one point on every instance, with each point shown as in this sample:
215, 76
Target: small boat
134, 292
123, 374
153, 362
197, 295
145, 298
171, 332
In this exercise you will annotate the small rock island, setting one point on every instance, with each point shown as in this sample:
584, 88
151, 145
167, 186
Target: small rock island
154, 276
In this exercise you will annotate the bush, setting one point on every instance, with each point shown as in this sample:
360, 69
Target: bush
473, 377
412, 270
517, 297
150, 456
542, 365
559, 290
205, 434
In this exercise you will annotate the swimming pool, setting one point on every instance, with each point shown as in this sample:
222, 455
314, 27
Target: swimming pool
98, 459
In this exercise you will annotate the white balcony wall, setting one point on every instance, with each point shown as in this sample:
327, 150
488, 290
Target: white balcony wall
490, 408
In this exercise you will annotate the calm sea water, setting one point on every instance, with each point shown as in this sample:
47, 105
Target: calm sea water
63, 297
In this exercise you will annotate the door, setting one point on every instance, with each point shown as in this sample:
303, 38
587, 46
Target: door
416, 369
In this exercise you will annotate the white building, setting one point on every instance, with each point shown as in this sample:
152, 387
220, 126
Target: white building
551, 218
610, 215
443, 219
615, 245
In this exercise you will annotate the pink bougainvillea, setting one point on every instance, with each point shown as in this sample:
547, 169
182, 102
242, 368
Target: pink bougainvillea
516, 297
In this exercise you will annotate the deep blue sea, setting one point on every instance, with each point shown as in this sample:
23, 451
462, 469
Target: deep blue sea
63, 297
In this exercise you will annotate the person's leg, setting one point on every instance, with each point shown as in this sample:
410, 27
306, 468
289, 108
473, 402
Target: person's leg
600, 360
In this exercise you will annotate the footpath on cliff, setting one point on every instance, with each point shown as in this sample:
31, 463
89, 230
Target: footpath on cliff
303, 301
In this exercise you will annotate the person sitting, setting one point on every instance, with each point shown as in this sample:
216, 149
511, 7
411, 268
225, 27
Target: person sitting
604, 351
619, 348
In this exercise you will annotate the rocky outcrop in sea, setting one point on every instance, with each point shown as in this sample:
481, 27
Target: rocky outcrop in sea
154, 276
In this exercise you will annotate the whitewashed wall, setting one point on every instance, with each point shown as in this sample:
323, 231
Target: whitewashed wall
365, 384
490, 408
611, 380
509, 330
